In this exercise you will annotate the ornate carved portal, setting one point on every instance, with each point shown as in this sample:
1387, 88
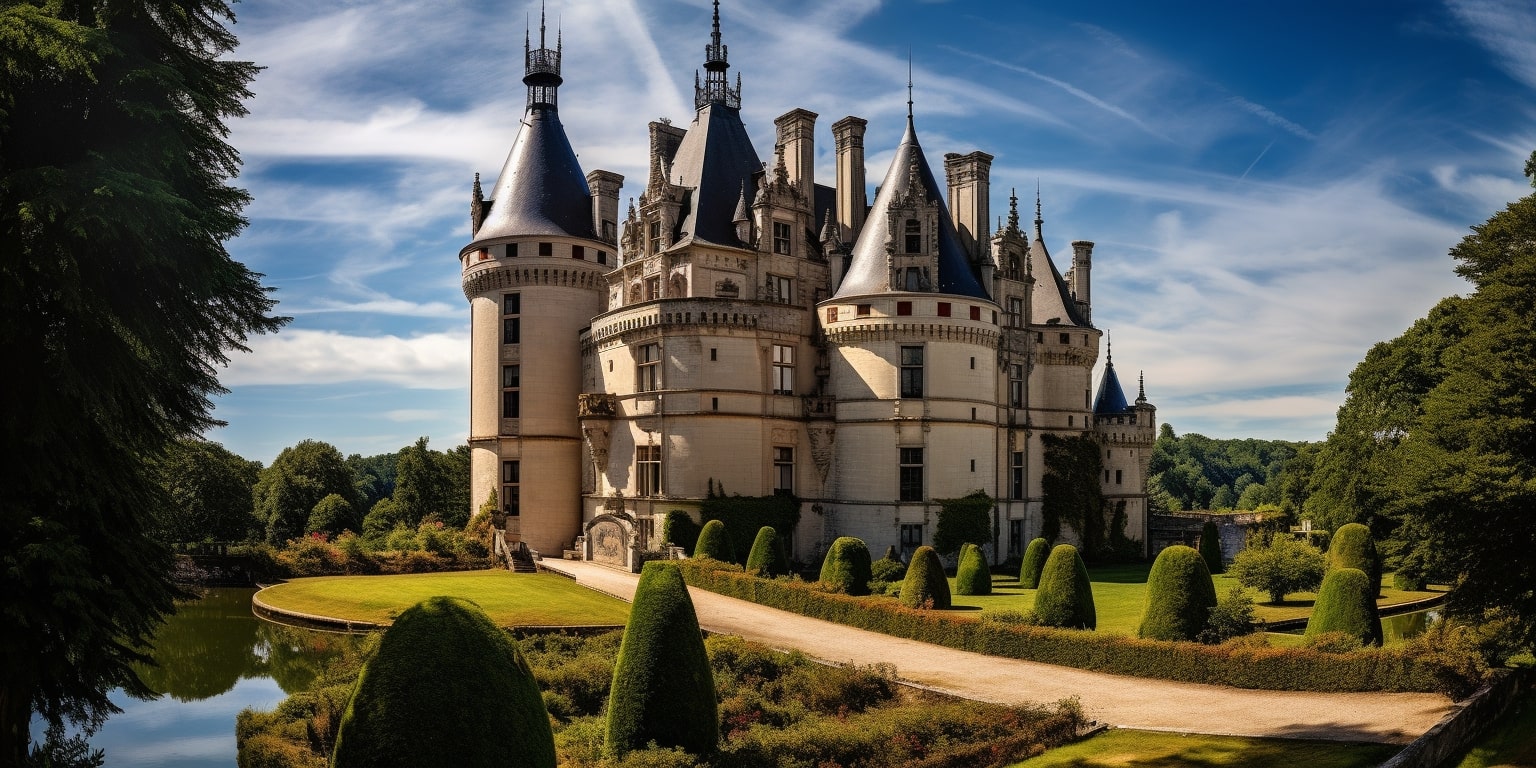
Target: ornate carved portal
610, 542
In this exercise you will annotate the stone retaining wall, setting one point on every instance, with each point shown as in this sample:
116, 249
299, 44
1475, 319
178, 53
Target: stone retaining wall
1457, 730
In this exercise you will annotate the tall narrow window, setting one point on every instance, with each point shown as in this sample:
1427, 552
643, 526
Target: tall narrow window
1016, 470
1016, 537
913, 231
1015, 312
911, 539
652, 288
1016, 385
911, 474
511, 323
1118, 476
648, 470
511, 485
912, 279
783, 369
784, 470
781, 239
783, 289
511, 394
648, 368
655, 230
911, 371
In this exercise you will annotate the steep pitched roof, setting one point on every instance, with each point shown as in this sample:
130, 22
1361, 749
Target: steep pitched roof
1051, 299
541, 190
867, 270
1110, 399
716, 161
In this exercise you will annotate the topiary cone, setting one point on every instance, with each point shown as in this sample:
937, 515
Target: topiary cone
445, 651
847, 566
1346, 603
925, 584
1034, 561
1352, 547
767, 557
663, 689
1065, 597
1210, 547
973, 577
1180, 596
714, 543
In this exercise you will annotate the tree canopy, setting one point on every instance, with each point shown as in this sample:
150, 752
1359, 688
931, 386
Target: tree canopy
119, 304
300, 476
209, 490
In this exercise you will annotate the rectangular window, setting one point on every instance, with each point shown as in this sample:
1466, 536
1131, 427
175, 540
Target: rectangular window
1016, 385
652, 288
648, 368
511, 330
578, 252
546, 249
913, 280
912, 233
831, 314
781, 238
1015, 312
1066, 338
783, 289
512, 304
863, 310
610, 232
943, 309
976, 314
1016, 537
903, 307
784, 471
911, 372
911, 539
714, 354
511, 396
602, 257
1087, 400
1016, 470
648, 470
783, 369
511, 250
511, 479
1117, 476
911, 474
655, 231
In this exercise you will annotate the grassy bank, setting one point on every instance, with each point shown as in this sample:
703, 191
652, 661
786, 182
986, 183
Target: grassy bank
511, 600
1157, 749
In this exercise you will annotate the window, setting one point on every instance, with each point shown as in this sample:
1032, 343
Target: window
511, 250
648, 368
976, 314
831, 314
863, 310
911, 539
511, 324
782, 288
911, 372
1016, 537
546, 249
655, 237
1066, 338
911, 474
648, 470
511, 396
1117, 476
511, 479
1016, 385
652, 288
784, 471
913, 279
903, 307
1016, 470
610, 231
1069, 419
714, 354
578, 252
781, 238
913, 231
602, 257
783, 369
1015, 312
944, 310
1087, 400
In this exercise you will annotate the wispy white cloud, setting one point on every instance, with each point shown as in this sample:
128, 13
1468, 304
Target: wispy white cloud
1507, 28
1109, 40
1065, 86
1270, 117
309, 357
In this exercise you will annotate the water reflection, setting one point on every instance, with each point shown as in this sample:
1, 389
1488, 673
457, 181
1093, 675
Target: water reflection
1395, 629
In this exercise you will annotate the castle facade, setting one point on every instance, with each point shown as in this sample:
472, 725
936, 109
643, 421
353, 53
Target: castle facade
744, 328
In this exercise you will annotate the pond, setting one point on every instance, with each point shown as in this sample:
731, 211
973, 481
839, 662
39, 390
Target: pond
214, 659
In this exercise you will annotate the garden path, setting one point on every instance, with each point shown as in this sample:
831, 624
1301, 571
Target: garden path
1128, 702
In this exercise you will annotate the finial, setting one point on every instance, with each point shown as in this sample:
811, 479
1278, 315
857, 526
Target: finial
715, 36
541, 23
1039, 220
909, 83
1013, 209
1109, 350
1141, 394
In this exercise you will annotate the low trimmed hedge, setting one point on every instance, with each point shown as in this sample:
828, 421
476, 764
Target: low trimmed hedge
1241, 666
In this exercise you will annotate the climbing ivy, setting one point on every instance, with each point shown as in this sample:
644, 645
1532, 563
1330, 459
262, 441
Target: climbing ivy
1072, 492
744, 515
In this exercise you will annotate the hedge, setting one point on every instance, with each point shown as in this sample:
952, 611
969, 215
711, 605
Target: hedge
714, 543
1346, 603
1352, 547
1180, 596
767, 556
1241, 666
445, 649
925, 585
663, 689
846, 566
679, 530
973, 577
1065, 597
1210, 547
1034, 562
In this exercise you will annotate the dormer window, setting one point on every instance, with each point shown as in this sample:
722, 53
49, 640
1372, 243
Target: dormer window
655, 231
914, 236
781, 238
912, 279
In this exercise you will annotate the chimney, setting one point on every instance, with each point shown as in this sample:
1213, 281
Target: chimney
848, 133
970, 193
605, 186
1082, 262
797, 129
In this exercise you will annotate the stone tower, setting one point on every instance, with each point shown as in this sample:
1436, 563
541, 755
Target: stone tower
1126, 433
533, 275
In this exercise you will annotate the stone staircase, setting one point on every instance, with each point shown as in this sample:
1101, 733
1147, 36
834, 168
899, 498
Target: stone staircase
518, 557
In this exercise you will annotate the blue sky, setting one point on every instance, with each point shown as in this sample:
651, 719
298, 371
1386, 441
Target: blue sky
1272, 187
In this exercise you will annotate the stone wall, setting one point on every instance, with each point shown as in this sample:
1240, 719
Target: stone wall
1457, 730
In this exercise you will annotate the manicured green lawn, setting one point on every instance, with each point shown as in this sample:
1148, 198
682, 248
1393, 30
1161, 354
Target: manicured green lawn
511, 599
1156, 749
1510, 742
1120, 593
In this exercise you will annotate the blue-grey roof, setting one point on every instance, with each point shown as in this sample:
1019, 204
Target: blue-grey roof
867, 269
1110, 400
541, 190
1052, 303
714, 160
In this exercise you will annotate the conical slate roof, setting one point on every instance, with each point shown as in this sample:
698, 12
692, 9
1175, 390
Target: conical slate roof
1110, 400
867, 269
1051, 300
716, 162
541, 190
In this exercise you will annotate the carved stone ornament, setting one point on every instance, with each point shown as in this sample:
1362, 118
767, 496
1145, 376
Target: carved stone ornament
782, 436
596, 405
822, 445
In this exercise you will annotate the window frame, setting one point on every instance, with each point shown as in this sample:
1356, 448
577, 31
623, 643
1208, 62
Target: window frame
910, 374
648, 470
648, 367
783, 238
511, 487
909, 474
511, 391
784, 470
783, 382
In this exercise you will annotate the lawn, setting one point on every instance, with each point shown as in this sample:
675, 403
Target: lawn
1510, 741
1120, 593
511, 599
1125, 748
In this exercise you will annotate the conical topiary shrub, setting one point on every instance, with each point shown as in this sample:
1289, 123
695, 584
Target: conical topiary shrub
925, 585
973, 577
846, 567
1180, 596
1352, 547
663, 689
1210, 547
1065, 597
714, 543
441, 650
1347, 604
767, 558
1034, 561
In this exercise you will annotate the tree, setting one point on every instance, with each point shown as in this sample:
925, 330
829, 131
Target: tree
1180, 596
679, 530
1034, 562
925, 586
330, 516
966, 520
663, 688
1210, 547
1065, 597
374, 476
1351, 547
445, 649
422, 484
973, 577
1346, 603
846, 568
300, 476
209, 493
767, 557
1281, 567
714, 543
119, 304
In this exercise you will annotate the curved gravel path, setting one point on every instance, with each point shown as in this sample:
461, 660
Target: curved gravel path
1128, 702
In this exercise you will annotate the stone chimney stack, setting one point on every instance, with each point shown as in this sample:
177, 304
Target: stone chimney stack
848, 133
605, 186
970, 194
797, 129
1082, 262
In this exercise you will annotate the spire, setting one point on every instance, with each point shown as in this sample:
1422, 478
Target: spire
741, 206
1109, 351
716, 88
1141, 389
909, 84
1013, 210
542, 67
1039, 221
476, 206
1111, 398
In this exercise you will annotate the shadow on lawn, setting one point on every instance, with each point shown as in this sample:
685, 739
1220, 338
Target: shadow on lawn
1170, 751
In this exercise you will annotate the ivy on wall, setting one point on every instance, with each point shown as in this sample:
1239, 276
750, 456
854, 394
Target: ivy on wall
966, 520
744, 515
1072, 492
